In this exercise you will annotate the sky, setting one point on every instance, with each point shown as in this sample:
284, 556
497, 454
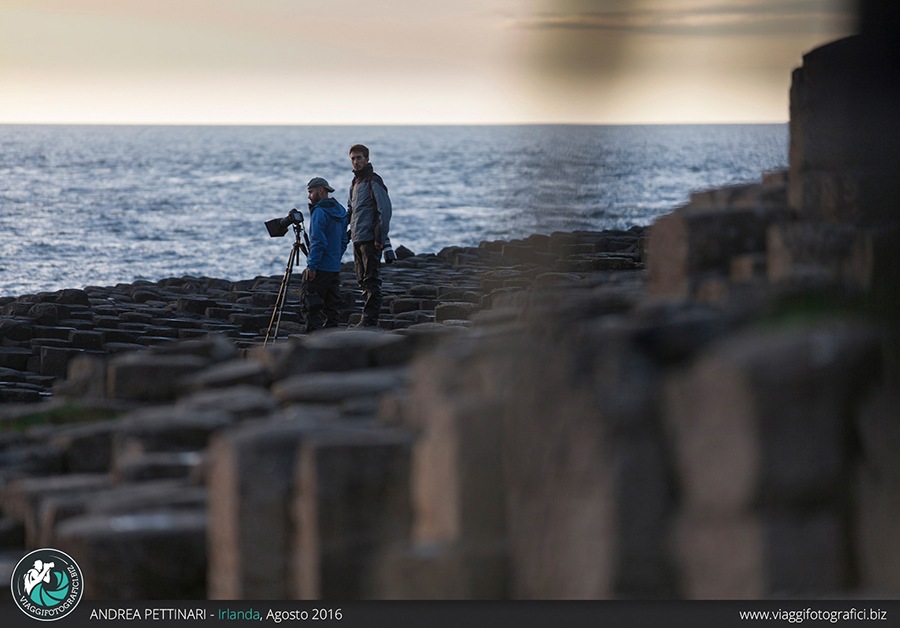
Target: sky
406, 61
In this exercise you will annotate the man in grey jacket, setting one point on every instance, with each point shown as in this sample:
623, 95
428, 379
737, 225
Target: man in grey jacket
369, 210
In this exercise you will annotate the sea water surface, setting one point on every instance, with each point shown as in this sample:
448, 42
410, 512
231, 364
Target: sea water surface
100, 205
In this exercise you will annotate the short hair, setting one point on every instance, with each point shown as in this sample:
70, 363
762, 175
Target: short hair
359, 148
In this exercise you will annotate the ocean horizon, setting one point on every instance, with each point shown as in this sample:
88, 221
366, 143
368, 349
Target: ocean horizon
104, 204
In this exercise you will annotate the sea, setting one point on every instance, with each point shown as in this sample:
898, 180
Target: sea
102, 205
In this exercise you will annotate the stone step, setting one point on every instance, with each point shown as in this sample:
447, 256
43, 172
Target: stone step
21, 499
11, 375
50, 342
117, 335
121, 556
352, 501
43, 331
251, 471
14, 358
83, 339
54, 360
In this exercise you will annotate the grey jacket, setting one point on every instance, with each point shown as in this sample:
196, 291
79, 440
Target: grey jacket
369, 208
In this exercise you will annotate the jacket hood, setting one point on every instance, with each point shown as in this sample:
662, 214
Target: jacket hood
332, 208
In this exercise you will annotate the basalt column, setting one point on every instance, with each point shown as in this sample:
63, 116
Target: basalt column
845, 125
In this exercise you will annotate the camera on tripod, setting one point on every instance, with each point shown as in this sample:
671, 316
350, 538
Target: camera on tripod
277, 227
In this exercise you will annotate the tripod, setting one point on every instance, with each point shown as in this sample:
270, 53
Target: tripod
293, 258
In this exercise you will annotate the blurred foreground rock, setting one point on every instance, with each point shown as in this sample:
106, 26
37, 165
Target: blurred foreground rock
577, 439
546, 426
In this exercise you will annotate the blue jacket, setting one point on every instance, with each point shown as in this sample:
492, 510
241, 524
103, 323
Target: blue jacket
327, 235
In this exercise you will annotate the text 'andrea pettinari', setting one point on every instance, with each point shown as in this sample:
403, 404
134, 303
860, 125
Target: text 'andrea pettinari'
152, 614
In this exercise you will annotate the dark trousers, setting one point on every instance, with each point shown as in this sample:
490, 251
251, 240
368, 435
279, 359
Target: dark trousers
366, 260
320, 300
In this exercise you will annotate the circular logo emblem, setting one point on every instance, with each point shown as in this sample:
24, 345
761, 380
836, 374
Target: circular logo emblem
47, 584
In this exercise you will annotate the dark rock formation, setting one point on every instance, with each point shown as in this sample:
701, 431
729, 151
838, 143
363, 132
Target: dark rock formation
845, 125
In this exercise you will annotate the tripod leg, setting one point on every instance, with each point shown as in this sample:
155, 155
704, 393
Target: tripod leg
280, 299
275, 311
286, 283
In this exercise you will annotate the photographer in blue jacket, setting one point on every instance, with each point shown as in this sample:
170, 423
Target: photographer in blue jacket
320, 289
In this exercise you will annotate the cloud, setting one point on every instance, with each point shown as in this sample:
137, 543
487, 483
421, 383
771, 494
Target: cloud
752, 18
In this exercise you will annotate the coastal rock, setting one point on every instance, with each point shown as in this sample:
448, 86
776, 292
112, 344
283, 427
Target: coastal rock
22, 499
85, 339
86, 448
696, 239
44, 314
877, 516
819, 252
16, 328
771, 194
349, 350
86, 377
11, 375
352, 500
877, 490
12, 533
55, 360
457, 482
30, 460
596, 261
495, 279
17, 309
121, 347
454, 310
559, 429
747, 268
241, 401
589, 449
148, 496
844, 138
148, 377
456, 571
453, 322
14, 358
73, 297
230, 373
566, 250
736, 416
403, 252
758, 556
675, 334
157, 555
128, 498
878, 426
154, 466
213, 347
251, 480
166, 428
555, 279
52, 331
457, 485
398, 306
335, 387
427, 292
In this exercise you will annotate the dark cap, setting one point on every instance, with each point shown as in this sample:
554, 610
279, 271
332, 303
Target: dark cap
319, 182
